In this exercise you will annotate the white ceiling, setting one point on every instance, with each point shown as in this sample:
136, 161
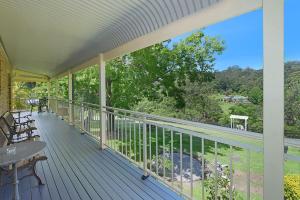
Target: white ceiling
50, 36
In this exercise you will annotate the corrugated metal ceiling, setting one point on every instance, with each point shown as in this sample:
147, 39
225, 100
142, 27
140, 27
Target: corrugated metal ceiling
48, 36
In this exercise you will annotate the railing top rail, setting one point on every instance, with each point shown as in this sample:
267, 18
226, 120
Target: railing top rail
246, 134
75, 102
190, 123
197, 134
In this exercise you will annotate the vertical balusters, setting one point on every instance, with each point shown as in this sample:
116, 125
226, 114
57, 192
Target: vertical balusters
191, 164
94, 128
82, 117
134, 141
164, 154
140, 139
202, 167
118, 124
107, 128
248, 174
111, 130
156, 150
216, 170
181, 174
172, 159
150, 150
231, 175
145, 148
122, 141
126, 137
91, 129
115, 132
89, 119
130, 153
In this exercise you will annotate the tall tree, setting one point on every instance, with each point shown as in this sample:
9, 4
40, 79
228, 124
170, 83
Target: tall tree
162, 69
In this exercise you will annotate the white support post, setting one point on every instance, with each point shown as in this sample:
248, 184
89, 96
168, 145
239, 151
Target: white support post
71, 94
273, 106
56, 96
102, 100
48, 92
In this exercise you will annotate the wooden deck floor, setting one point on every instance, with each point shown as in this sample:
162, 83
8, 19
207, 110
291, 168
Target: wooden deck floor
77, 169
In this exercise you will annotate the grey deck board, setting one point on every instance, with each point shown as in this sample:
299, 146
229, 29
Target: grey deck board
77, 170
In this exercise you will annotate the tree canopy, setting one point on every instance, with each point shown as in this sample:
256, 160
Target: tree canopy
178, 79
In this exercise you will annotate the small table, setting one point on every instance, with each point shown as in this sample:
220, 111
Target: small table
24, 151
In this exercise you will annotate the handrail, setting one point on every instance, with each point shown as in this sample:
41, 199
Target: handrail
190, 123
248, 134
200, 134
253, 135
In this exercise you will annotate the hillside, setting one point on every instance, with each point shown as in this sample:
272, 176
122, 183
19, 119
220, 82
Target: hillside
249, 82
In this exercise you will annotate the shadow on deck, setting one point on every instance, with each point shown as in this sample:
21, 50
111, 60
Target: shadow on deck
77, 169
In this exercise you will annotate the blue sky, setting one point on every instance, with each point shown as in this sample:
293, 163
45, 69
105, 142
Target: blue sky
243, 38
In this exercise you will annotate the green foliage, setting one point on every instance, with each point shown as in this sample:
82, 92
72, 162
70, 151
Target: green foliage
162, 162
200, 104
256, 95
122, 87
86, 85
223, 184
161, 71
26, 90
255, 122
63, 90
165, 107
291, 187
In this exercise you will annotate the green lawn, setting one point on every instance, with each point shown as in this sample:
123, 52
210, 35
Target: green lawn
239, 155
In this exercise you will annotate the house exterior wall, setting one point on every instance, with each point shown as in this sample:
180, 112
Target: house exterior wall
5, 81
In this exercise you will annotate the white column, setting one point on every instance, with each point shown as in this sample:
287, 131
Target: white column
102, 100
48, 91
273, 82
71, 94
56, 96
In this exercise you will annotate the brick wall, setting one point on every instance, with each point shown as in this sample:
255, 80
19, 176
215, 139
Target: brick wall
5, 71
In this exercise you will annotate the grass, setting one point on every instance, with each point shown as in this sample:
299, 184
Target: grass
224, 152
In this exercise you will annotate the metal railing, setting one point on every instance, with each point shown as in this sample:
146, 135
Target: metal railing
185, 155
182, 158
85, 116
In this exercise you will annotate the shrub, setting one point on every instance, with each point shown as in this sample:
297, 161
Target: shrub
292, 187
223, 183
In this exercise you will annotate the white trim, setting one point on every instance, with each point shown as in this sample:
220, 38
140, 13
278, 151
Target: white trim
48, 92
102, 100
211, 15
70, 87
86, 64
273, 106
238, 117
